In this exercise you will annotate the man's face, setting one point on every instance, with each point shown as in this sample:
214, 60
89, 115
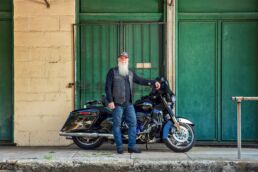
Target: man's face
123, 65
123, 59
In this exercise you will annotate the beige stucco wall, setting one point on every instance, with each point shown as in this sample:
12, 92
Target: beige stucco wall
42, 70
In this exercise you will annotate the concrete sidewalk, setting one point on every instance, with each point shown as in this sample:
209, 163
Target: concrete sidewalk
157, 158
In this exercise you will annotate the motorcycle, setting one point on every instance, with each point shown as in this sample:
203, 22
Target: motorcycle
91, 126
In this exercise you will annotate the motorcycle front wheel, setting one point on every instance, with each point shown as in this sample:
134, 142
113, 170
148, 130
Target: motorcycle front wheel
88, 143
180, 141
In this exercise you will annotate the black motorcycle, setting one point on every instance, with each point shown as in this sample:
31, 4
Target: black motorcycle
156, 123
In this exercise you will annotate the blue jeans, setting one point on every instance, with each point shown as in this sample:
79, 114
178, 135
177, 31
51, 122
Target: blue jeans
166, 129
127, 113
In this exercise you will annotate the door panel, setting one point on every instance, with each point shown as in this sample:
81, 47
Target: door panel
6, 5
232, 72
239, 78
144, 44
100, 45
99, 49
6, 80
118, 6
196, 77
211, 6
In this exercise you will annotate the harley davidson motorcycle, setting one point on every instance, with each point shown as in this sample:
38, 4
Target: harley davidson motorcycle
156, 123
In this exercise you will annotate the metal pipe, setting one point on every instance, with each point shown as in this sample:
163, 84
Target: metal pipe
169, 42
239, 99
239, 129
92, 135
73, 66
118, 23
245, 98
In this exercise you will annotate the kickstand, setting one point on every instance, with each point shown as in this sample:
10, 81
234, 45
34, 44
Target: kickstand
146, 142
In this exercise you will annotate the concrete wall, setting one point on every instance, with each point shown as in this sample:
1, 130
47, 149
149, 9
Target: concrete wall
42, 70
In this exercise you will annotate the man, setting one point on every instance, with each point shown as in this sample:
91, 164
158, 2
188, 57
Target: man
119, 92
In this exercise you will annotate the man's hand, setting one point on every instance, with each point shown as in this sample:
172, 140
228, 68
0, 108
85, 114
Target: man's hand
111, 105
157, 85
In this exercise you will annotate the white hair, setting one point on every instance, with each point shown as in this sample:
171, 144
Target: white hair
123, 68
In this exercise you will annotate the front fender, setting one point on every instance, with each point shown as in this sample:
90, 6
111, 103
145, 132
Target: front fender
186, 121
169, 124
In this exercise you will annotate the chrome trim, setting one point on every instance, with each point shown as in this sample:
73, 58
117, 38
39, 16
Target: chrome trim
92, 135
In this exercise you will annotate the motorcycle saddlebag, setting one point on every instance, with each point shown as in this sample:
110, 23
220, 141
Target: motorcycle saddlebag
79, 120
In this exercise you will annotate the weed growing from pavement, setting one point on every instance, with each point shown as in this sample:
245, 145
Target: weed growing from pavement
48, 157
109, 154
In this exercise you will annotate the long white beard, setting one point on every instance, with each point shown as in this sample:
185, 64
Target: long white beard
123, 68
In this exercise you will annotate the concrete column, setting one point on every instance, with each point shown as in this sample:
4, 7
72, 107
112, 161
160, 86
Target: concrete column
171, 43
42, 70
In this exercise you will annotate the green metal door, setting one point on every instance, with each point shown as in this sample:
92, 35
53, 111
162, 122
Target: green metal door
197, 76
108, 27
99, 48
239, 77
217, 58
6, 87
100, 45
144, 42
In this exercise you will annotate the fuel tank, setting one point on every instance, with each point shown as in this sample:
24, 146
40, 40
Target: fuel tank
143, 106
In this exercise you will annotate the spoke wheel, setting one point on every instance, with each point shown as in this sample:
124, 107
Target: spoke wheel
88, 143
182, 140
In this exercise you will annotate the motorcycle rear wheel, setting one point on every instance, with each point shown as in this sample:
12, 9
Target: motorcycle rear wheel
181, 141
88, 143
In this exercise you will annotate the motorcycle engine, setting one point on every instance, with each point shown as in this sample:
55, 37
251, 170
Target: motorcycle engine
149, 125
157, 116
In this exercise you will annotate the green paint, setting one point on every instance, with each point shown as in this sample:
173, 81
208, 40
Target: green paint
209, 6
239, 77
6, 72
118, 6
196, 76
6, 5
216, 16
216, 59
77, 54
98, 53
115, 10
100, 45
144, 42
121, 16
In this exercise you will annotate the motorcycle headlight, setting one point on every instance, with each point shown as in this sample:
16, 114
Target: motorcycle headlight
173, 98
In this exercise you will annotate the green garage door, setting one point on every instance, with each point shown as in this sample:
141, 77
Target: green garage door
239, 77
197, 76
6, 88
100, 45
217, 58
108, 27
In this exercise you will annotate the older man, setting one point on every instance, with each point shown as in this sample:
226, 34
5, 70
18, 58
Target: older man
119, 86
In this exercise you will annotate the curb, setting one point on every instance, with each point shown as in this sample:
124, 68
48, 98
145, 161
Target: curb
114, 165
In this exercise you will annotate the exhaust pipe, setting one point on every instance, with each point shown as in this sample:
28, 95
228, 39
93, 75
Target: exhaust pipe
91, 135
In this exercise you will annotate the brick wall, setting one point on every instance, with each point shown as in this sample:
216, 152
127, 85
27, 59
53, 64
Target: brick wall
42, 70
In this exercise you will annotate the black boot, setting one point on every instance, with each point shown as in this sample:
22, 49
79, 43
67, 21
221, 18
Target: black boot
120, 150
134, 150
